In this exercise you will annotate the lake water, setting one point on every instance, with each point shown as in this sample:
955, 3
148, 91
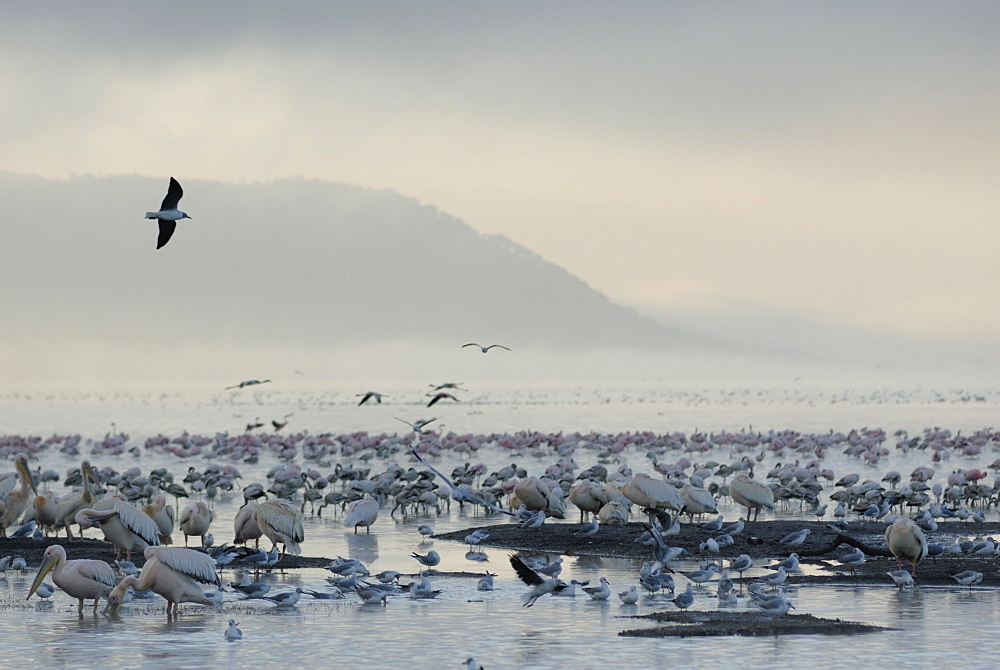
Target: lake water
491, 626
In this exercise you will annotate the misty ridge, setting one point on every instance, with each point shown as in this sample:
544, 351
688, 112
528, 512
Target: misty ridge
286, 262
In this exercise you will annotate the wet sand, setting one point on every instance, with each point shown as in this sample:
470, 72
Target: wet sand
710, 624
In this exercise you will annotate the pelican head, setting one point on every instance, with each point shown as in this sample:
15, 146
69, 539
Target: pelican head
50, 559
117, 596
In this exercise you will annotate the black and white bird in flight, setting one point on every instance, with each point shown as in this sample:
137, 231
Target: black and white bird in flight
169, 215
249, 382
369, 396
441, 396
486, 348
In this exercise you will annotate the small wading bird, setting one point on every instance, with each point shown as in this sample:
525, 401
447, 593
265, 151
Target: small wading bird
169, 215
486, 348
249, 382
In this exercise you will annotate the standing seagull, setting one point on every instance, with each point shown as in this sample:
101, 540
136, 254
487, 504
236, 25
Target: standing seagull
169, 215
486, 348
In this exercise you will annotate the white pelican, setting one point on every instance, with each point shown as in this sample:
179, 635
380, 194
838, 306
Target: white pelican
697, 501
246, 526
172, 572
81, 578
163, 515
587, 496
613, 514
537, 495
123, 525
906, 541
15, 500
751, 494
69, 505
645, 491
195, 520
281, 522
362, 512
44, 506
169, 215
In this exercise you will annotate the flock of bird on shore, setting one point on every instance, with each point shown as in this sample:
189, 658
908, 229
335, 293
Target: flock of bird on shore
137, 517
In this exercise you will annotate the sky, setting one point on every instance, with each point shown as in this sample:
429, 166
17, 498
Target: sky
828, 163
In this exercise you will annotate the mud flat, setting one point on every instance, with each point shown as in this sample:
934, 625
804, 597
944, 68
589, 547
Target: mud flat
713, 624
761, 541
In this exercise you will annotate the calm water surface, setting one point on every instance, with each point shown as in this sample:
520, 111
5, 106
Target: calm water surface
491, 626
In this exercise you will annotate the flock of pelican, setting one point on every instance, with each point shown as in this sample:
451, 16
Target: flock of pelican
136, 514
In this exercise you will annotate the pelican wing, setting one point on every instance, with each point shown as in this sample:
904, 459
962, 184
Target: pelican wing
138, 522
194, 564
99, 571
361, 511
282, 517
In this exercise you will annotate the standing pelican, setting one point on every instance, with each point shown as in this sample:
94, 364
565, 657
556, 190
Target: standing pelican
645, 491
68, 506
697, 501
81, 578
537, 495
163, 515
172, 572
281, 522
362, 512
906, 541
123, 525
44, 506
751, 494
16, 500
246, 526
195, 520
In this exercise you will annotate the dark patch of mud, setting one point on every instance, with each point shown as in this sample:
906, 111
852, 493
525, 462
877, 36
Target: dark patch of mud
760, 541
713, 624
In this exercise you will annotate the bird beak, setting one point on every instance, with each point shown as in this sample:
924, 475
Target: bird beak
23, 469
42, 571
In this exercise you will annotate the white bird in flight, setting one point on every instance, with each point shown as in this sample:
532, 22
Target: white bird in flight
486, 348
169, 215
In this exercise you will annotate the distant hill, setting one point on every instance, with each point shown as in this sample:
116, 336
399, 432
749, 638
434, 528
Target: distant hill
285, 262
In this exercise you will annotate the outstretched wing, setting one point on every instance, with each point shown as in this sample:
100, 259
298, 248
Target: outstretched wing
174, 194
524, 573
166, 231
459, 493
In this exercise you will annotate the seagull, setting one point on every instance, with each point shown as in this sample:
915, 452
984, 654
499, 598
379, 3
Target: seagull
425, 530
387, 576
485, 349
418, 426
552, 569
535, 520
684, 600
789, 564
901, 578
471, 664
589, 529
741, 564
336, 594
602, 592
233, 633
735, 528
457, 493
45, 591
713, 526
796, 539
968, 578
630, 597
539, 585
249, 382
702, 576
286, 599
485, 583
370, 395
216, 597
169, 215
430, 559
776, 579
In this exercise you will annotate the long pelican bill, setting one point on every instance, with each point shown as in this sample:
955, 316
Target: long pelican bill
43, 570
22, 467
